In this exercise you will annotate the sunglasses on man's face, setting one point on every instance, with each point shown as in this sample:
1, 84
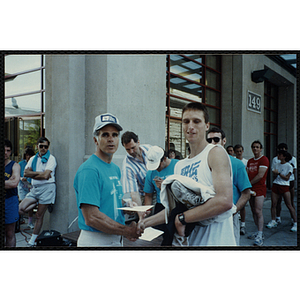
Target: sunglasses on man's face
43, 146
215, 139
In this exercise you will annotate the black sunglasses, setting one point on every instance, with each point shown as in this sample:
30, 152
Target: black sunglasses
216, 139
43, 146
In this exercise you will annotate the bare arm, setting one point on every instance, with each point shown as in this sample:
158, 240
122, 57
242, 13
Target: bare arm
135, 196
98, 220
148, 198
285, 177
46, 175
13, 181
260, 175
153, 220
245, 196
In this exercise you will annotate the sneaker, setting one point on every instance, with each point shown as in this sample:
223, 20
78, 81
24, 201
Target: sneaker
185, 195
252, 236
272, 224
258, 241
30, 225
243, 230
30, 245
278, 220
294, 228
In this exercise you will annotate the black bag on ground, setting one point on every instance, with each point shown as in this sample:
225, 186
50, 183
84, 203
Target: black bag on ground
49, 238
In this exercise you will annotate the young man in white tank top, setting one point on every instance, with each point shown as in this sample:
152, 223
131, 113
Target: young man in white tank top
209, 165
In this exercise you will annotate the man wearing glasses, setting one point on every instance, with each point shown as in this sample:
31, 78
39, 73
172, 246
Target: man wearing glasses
41, 168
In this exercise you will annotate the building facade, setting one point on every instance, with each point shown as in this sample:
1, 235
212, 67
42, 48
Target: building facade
250, 96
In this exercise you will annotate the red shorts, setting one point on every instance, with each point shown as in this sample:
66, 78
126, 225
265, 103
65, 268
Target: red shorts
280, 189
260, 191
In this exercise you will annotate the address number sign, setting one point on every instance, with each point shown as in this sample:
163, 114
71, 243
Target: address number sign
254, 102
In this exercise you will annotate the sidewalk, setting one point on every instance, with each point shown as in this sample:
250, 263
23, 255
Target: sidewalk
275, 237
279, 236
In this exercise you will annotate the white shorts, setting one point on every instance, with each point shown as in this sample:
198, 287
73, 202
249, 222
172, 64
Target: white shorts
43, 194
99, 239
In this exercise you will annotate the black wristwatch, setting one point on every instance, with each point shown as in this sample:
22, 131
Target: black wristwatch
181, 219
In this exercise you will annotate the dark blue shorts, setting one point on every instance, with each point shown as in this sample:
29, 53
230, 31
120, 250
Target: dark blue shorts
11, 210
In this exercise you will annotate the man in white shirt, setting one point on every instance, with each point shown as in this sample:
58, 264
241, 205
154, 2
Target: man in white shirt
41, 168
293, 162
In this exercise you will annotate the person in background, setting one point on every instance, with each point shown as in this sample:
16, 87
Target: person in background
171, 154
25, 183
282, 171
41, 169
257, 169
239, 150
12, 177
134, 168
229, 150
293, 162
159, 168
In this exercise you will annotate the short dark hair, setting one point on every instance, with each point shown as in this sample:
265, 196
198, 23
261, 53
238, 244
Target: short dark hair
28, 151
237, 146
197, 106
217, 130
43, 139
281, 146
171, 151
257, 142
287, 155
7, 143
128, 136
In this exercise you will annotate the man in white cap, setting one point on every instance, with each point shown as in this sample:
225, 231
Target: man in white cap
99, 193
159, 168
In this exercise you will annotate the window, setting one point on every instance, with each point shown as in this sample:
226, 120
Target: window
24, 100
191, 78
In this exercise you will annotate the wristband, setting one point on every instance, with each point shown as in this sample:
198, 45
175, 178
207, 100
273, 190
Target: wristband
181, 219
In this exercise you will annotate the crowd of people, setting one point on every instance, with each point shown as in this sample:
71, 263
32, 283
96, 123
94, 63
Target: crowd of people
197, 201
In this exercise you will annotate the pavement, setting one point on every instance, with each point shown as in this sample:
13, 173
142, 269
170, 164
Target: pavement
281, 236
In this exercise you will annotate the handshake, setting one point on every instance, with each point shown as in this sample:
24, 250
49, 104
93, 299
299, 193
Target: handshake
135, 230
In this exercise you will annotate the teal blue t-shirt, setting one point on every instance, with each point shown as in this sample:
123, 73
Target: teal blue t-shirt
150, 185
99, 183
240, 178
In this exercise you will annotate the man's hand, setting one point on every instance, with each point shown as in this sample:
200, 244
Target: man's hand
133, 232
179, 227
158, 181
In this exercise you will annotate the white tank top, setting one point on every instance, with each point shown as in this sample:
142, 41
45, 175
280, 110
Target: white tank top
197, 167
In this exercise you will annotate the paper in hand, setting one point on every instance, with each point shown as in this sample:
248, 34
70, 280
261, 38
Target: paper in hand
140, 208
150, 234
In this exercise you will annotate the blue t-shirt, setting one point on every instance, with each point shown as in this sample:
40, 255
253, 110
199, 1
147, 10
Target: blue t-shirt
8, 173
99, 183
240, 178
23, 164
150, 185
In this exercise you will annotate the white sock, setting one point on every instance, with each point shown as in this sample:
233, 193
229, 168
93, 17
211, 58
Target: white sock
243, 224
278, 219
259, 234
33, 238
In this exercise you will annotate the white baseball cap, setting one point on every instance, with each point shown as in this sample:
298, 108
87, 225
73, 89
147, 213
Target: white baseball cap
106, 119
154, 155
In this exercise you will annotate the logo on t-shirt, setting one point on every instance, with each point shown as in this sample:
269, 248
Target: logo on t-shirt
191, 170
